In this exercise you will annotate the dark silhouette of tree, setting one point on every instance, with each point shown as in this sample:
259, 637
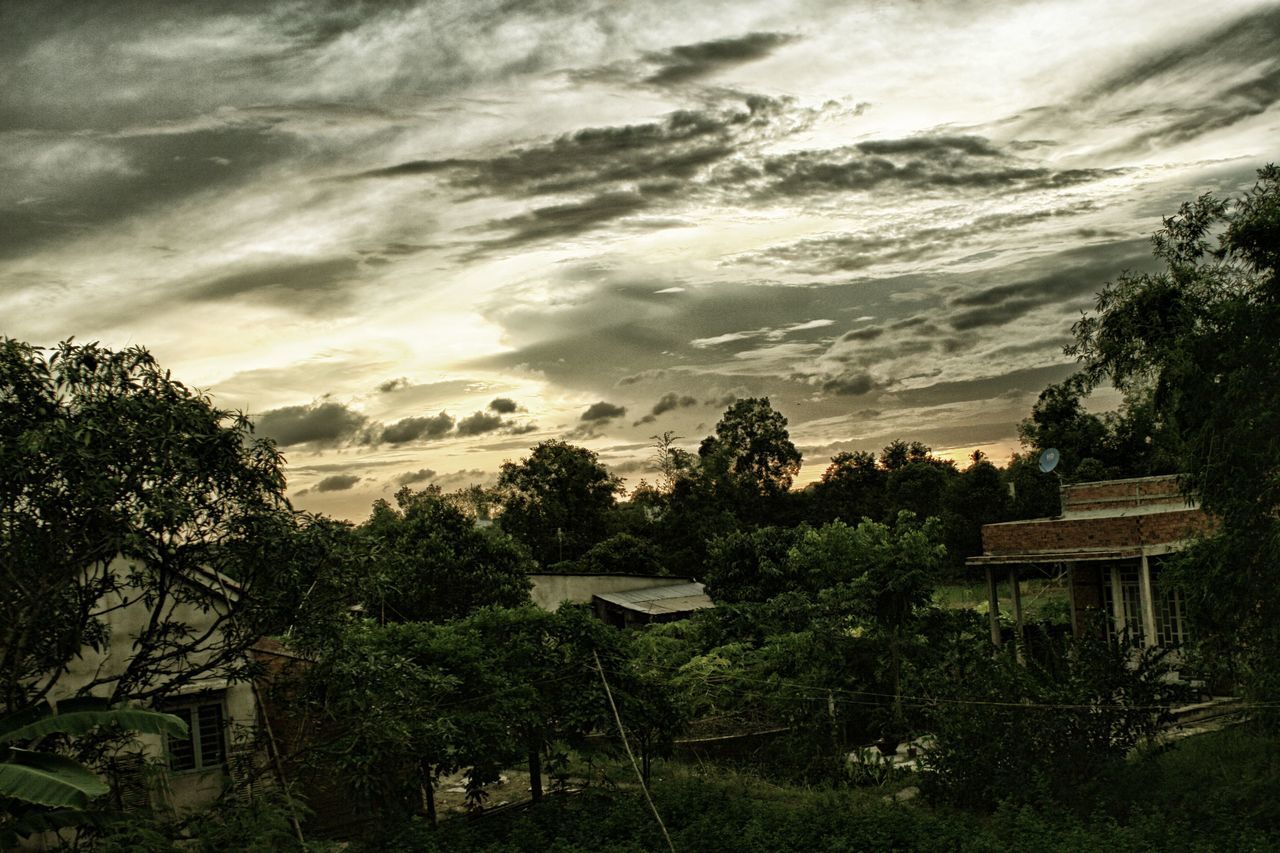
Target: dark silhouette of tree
556, 501
1201, 333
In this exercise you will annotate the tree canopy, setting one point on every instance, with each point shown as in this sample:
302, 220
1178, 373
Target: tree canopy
104, 455
1201, 334
555, 500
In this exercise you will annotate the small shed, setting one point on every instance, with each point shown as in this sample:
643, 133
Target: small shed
1111, 539
631, 608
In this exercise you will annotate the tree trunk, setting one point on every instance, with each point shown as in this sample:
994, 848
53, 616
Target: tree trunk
535, 773
428, 789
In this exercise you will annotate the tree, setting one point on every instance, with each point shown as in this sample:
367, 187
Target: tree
749, 565
622, 553
749, 464
430, 562
753, 448
399, 705
885, 574
1200, 333
556, 501
102, 455
977, 497
852, 488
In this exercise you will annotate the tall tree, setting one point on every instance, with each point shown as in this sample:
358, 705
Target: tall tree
750, 462
852, 488
556, 501
431, 563
1201, 333
103, 454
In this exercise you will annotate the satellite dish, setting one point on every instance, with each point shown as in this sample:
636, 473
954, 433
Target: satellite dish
1049, 459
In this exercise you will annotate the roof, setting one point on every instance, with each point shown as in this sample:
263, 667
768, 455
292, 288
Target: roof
678, 598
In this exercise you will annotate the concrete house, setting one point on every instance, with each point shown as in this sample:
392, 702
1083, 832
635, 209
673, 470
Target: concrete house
220, 713
1112, 539
623, 601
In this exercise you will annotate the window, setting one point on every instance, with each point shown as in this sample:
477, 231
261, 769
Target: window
1127, 618
206, 743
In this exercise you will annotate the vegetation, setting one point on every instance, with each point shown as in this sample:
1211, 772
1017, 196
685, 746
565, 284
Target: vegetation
422, 659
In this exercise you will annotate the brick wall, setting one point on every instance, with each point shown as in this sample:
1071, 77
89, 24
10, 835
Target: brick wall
1120, 494
1068, 534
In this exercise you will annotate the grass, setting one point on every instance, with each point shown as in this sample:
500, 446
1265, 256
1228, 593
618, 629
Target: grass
1041, 597
1217, 791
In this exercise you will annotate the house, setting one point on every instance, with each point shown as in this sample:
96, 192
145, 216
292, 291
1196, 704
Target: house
551, 589
622, 600
1112, 539
634, 607
220, 711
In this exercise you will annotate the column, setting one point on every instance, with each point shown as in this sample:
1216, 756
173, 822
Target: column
993, 607
1019, 637
1148, 603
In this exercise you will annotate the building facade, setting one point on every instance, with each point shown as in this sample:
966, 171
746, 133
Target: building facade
1112, 540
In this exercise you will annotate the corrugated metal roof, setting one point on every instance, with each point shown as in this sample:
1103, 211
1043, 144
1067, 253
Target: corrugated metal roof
678, 598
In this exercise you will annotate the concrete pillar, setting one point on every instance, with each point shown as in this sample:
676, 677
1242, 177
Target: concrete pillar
1148, 604
1019, 638
993, 607
1071, 599
1117, 600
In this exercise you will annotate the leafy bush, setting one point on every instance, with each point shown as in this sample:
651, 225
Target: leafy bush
1044, 733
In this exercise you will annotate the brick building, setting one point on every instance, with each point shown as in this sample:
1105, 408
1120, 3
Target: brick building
1112, 538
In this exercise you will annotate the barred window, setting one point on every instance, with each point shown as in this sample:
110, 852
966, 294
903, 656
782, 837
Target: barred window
206, 743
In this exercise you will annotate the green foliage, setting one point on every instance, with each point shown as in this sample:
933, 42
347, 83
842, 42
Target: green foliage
852, 488
33, 777
749, 464
430, 562
1132, 442
556, 501
1040, 733
103, 454
1200, 334
749, 565
622, 553
723, 811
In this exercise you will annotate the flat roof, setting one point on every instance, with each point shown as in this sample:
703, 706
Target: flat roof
1072, 555
677, 598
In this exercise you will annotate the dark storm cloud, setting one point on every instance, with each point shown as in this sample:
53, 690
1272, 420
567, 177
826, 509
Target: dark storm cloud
691, 61
521, 429
393, 385
306, 286
672, 401
937, 163
677, 147
668, 402
318, 423
1236, 70
1083, 274
853, 385
603, 411
1029, 380
55, 187
843, 253
413, 429
503, 405
337, 483
410, 477
479, 423
564, 221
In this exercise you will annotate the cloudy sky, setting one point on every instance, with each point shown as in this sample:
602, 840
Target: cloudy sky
414, 239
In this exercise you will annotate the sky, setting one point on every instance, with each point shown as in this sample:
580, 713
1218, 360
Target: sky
414, 239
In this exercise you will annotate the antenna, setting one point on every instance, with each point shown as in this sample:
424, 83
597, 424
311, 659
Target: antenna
1049, 459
